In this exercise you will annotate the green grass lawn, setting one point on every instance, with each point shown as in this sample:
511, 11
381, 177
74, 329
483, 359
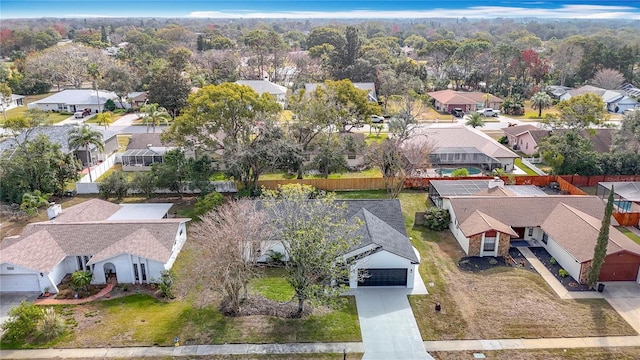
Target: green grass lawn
375, 139
525, 168
631, 235
368, 173
273, 285
54, 118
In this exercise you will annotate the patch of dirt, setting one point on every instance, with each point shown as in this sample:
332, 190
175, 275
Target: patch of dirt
257, 305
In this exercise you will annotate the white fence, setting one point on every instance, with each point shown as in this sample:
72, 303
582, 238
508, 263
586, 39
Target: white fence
533, 160
526, 162
100, 169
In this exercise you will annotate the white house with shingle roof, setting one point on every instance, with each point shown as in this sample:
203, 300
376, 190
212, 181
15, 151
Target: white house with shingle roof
72, 100
279, 92
123, 243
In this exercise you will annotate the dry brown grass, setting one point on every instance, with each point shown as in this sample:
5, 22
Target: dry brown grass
620, 353
505, 303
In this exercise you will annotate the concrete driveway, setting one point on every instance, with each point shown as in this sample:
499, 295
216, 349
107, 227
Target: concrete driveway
9, 300
389, 330
624, 296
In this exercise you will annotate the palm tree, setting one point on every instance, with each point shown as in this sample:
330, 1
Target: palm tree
475, 120
104, 118
155, 115
94, 72
84, 136
81, 279
540, 100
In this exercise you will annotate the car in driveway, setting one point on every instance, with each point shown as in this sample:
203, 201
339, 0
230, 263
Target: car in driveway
81, 114
489, 112
377, 119
457, 112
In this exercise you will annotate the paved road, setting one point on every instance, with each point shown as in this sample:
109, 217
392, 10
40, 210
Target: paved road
389, 330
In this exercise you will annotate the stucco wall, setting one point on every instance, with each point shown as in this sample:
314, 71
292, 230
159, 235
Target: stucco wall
526, 144
457, 233
565, 259
181, 238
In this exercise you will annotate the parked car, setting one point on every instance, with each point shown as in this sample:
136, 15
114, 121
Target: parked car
457, 112
489, 112
83, 113
377, 119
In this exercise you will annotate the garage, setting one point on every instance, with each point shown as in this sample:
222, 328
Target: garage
384, 277
621, 266
19, 283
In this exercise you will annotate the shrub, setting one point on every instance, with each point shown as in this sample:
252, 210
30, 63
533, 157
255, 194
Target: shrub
436, 219
115, 184
563, 273
460, 172
22, 322
166, 284
109, 105
207, 203
553, 261
503, 140
81, 279
51, 325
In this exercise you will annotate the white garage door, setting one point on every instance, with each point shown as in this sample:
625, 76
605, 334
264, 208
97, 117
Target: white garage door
17, 283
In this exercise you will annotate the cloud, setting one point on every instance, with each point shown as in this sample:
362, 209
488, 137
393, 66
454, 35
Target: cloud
566, 11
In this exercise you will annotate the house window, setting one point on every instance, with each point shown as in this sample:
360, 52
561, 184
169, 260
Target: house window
135, 272
10, 268
489, 244
530, 231
520, 141
526, 146
351, 156
144, 272
545, 238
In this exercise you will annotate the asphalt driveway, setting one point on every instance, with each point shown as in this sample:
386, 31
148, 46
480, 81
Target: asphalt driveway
389, 330
9, 300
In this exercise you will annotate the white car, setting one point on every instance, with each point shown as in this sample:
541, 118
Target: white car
377, 119
489, 112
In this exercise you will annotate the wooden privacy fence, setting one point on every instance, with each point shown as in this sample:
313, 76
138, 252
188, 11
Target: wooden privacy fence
330, 184
627, 219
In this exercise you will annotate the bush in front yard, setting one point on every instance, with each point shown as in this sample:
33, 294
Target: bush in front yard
23, 322
436, 219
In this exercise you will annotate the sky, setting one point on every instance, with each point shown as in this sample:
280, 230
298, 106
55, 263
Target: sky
339, 9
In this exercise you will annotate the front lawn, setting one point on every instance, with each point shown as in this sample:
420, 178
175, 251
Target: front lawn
498, 303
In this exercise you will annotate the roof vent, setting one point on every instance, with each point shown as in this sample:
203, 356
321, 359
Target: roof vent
496, 182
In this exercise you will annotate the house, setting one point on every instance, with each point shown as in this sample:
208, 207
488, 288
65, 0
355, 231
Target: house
526, 138
616, 101
384, 252
369, 87
462, 146
72, 100
138, 98
130, 243
447, 100
60, 135
16, 101
279, 92
144, 150
439, 189
566, 226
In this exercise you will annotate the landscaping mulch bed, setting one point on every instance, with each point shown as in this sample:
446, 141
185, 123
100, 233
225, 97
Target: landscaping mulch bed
479, 264
258, 305
520, 260
567, 281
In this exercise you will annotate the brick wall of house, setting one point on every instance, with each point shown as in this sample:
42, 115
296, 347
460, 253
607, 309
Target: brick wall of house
504, 244
474, 245
584, 272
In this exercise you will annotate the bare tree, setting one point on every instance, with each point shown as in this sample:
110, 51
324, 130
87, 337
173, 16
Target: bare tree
229, 242
609, 79
405, 152
567, 57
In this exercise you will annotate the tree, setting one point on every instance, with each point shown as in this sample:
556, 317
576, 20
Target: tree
235, 235
23, 321
600, 250
567, 58
348, 106
94, 73
5, 99
121, 80
32, 201
315, 235
144, 182
170, 174
609, 79
84, 136
81, 279
541, 100
460, 172
579, 112
105, 118
570, 152
68, 170
115, 184
436, 219
475, 120
170, 90
627, 137
329, 158
154, 115
207, 203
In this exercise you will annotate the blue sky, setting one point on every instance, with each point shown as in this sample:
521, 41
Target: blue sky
596, 9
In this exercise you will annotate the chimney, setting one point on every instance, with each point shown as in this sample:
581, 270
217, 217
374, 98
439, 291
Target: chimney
496, 182
54, 210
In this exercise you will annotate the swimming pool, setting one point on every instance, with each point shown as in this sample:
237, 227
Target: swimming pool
471, 170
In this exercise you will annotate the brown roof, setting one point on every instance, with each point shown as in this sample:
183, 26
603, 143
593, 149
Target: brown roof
461, 136
601, 139
518, 129
143, 140
91, 210
43, 245
538, 134
479, 222
577, 232
462, 97
524, 211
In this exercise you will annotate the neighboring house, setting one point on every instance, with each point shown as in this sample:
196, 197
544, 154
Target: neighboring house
370, 87
137, 99
144, 150
129, 243
627, 196
384, 253
16, 101
279, 92
462, 146
616, 101
566, 226
447, 100
72, 100
494, 187
526, 138
60, 135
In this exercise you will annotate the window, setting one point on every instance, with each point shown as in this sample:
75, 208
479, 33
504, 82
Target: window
351, 156
545, 238
144, 272
489, 244
135, 272
527, 146
530, 231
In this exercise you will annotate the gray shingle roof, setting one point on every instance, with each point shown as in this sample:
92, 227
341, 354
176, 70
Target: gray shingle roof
58, 134
461, 136
78, 97
263, 86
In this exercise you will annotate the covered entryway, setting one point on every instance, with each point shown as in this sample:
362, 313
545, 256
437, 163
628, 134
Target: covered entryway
19, 283
384, 277
110, 273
